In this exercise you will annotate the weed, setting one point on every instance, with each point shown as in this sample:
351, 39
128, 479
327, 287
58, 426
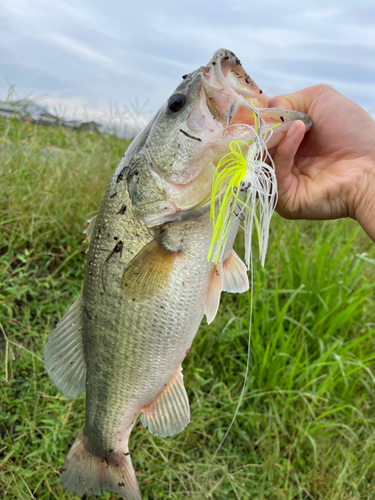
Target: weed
305, 429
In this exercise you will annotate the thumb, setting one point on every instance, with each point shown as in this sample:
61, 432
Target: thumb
300, 100
281, 102
284, 155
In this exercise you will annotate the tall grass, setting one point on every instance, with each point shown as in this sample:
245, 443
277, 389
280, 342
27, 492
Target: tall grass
306, 425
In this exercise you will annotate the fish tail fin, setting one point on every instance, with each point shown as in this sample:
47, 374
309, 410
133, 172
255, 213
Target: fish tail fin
84, 472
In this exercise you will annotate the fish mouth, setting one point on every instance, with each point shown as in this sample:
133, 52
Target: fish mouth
226, 106
232, 96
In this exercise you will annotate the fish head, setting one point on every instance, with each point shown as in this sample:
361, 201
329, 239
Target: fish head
191, 124
183, 143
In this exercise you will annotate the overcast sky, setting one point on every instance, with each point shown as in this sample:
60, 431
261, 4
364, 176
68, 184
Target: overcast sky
89, 53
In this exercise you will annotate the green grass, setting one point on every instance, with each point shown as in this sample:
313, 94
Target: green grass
306, 427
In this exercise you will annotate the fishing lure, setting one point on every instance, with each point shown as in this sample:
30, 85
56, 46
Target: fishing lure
245, 186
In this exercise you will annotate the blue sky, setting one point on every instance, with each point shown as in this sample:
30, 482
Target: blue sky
89, 53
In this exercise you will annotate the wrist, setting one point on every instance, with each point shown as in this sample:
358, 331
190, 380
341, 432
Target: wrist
364, 208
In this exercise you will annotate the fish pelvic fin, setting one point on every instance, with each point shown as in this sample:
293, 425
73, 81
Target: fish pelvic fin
235, 279
228, 276
169, 413
84, 472
213, 294
64, 357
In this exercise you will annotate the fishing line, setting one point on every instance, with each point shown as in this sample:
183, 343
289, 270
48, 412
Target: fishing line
246, 371
247, 364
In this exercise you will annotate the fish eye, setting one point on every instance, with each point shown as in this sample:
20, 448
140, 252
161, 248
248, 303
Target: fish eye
176, 102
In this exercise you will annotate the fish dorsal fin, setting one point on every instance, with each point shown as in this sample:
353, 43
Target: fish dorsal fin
212, 299
235, 279
149, 271
90, 228
169, 413
63, 355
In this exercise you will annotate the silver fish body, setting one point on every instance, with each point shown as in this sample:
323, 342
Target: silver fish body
148, 283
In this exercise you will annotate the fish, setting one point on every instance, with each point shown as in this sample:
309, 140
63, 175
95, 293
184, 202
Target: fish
148, 283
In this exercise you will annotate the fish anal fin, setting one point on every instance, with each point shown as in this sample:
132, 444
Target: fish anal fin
84, 472
169, 413
213, 294
235, 279
148, 273
64, 356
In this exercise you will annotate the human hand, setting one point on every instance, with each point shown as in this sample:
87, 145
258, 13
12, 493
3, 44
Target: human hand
329, 172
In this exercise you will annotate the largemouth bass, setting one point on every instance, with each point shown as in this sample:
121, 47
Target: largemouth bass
148, 283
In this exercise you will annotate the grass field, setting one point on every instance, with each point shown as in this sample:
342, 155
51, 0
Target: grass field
306, 427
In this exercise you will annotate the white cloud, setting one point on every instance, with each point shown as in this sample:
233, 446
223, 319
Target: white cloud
319, 13
80, 50
115, 51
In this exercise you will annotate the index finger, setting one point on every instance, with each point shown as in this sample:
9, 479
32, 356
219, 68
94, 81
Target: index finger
300, 100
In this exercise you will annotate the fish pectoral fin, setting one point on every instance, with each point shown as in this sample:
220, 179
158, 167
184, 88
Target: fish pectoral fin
63, 355
149, 271
169, 413
235, 279
212, 299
